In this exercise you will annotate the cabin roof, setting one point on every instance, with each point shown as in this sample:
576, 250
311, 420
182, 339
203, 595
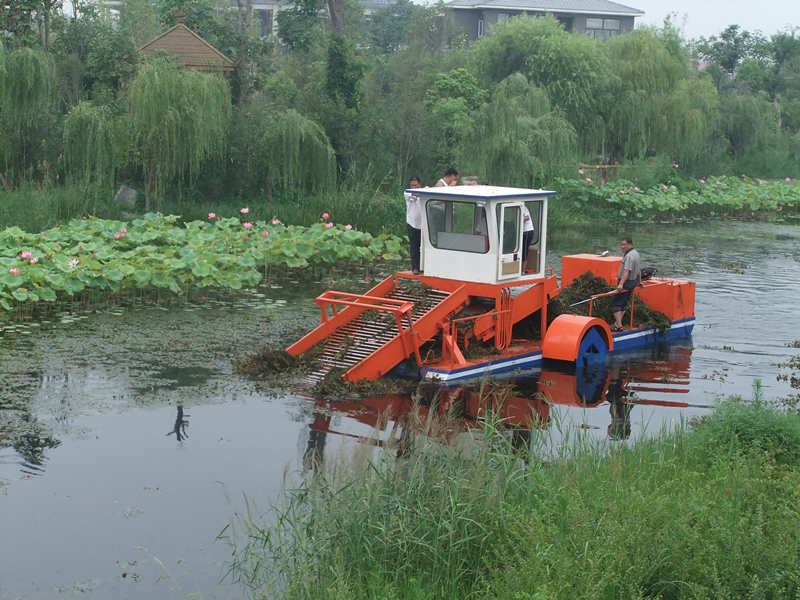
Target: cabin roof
480, 192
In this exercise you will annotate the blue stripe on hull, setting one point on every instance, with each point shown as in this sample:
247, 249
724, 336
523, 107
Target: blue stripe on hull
626, 340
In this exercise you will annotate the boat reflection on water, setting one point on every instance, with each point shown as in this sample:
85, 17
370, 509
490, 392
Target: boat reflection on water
656, 377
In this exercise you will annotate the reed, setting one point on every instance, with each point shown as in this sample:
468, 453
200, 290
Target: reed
696, 512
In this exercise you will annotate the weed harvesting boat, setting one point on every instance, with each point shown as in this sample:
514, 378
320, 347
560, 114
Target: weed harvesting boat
460, 318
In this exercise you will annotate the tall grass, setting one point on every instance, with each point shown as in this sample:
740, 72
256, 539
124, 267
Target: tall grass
706, 512
38, 207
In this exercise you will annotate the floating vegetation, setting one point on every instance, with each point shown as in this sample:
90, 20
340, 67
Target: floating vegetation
333, 386
156, 258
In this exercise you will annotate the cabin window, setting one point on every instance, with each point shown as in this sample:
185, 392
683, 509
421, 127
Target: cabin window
512, 223
457, 226
535, 208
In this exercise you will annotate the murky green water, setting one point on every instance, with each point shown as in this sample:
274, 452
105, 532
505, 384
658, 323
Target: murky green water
99, 498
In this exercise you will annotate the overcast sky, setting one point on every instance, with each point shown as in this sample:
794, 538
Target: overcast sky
709, 17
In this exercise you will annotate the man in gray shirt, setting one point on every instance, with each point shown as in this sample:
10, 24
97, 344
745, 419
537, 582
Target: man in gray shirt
628, 278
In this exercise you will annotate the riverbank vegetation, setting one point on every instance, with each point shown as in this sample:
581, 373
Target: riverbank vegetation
336, 113
709, 510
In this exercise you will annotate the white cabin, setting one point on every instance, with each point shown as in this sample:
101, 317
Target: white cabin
475, 232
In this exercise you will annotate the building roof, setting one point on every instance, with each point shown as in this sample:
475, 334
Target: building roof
589, 7
191, 50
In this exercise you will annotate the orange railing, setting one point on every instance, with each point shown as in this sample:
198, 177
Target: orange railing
400, 309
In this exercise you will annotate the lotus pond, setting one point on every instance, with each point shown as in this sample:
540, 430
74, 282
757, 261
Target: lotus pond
128, 443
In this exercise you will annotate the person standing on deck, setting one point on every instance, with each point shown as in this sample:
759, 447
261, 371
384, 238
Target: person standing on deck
450, 178
527, 234
414, 224
628, 278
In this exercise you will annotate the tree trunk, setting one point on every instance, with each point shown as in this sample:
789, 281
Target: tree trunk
249, 15
336, 11
239, 20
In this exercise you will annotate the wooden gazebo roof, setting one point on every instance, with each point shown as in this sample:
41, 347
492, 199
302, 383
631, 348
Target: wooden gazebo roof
192, 51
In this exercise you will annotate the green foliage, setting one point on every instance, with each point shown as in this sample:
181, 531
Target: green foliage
517, 138
299, 26
571, 68
343, 73
178, 121
286, 152
91, 147
674, 517
387, 25
156, 251
26, 102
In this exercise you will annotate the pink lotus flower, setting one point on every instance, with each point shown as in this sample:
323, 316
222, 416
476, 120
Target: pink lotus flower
123, 231
724, 176
247, 225
117, 236
328, 225
325, 216
788, 180
214, 243
44, 234
348, 227
622, 191
34, 260
588, 180
276, 221
760, 182
266, 234
245, 210
636, 189
702, 181
73, 263
25, 254
245, 239
80, 247
665, 187
58, 244
580, 171
14, 271
212, 215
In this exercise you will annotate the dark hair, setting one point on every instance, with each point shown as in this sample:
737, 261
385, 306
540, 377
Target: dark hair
414, 178
451, 171
627, 240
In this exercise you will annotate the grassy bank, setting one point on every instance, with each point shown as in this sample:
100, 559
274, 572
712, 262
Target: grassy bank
711, 511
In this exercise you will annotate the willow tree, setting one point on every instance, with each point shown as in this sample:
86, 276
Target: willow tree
647, 75
178, 120
519, 138
91, 154
281, 151
26, 101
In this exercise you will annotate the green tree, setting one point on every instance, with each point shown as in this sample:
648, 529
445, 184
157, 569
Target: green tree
518, 139
26, 112
279, 151
91, 150
299, 26
178, 121
573, 69
387, 25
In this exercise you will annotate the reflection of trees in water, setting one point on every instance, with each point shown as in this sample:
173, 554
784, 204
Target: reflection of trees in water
29, 438
181, 423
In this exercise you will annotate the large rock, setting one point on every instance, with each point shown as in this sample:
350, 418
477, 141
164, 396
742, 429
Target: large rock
126, 196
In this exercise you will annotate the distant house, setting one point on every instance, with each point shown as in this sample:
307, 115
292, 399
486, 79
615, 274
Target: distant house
600, 19
192, 51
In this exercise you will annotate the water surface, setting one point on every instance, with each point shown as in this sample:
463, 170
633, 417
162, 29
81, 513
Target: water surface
100, 499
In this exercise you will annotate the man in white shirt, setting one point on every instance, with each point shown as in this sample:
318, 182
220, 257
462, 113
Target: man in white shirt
414, 224
450, 178
527, 233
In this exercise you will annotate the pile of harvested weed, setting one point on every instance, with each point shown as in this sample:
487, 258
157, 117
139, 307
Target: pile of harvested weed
588, 285
267, 363
333, 386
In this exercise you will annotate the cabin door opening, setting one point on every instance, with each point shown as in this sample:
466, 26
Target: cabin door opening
509, 225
